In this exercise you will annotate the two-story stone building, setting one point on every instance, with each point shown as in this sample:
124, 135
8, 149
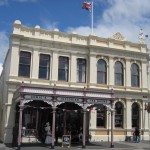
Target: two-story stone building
67, 80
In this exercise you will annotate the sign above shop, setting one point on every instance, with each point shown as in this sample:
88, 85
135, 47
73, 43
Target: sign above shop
98, 101
37, 97
70, 99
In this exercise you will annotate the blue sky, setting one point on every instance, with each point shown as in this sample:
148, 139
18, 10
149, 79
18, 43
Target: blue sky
110, 16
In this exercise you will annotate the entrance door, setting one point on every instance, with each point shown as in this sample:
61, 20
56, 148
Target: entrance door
35, 116
69, 120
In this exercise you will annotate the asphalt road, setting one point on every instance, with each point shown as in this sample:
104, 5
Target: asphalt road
143, 145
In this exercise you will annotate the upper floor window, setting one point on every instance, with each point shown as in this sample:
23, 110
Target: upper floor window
119, 115
81, 70
134, 75
24, 64
135, 115
101, 72
119, 73
63, 70
101, 116
44, 66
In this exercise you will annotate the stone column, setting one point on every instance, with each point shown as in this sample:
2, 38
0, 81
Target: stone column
144, 76
93, 69
37, 118
73, 70
14, 59
128, 74
53, 127
93, 114
20, 124
128, 116
35, 64
84, 129
124, 118
112, 124
54, 68
111, 72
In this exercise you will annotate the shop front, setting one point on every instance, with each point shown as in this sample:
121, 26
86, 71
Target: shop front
65, 109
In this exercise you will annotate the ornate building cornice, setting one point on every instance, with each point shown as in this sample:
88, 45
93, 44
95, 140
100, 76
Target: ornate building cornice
118, 36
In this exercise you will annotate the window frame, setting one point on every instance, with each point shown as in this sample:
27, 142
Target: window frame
135, 75
63, 70
119, 75
44, 67
26, 65
81, 72
101, 112
137, 116
101, 73
121, 115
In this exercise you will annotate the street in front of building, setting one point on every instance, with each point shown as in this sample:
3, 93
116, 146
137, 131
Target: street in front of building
143, 145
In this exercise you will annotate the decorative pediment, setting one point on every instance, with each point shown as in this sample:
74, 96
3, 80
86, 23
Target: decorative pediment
118, 36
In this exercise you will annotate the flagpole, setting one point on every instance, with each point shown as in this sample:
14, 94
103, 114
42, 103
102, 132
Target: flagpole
91, 17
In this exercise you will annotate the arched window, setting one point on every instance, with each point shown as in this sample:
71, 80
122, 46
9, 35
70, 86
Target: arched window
119, 115
101, 72
101, 116
135, 75
135, 115
119, 73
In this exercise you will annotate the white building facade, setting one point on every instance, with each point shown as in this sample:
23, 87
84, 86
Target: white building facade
41, 59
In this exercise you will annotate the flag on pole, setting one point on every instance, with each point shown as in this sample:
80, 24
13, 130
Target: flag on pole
89, 6
86, 5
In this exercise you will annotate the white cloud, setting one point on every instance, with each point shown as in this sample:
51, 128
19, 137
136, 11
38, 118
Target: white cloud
3, 46
1, 68
46, 24
3, 2
125, 16
25, 1
6, 2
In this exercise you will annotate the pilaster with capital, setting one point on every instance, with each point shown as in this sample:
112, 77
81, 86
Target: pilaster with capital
20, 123
144, 75
111, 71
35, 64
73, 68
54, 68
93, 69
14, 60
128, 73
128, 115
145, 120
93, 117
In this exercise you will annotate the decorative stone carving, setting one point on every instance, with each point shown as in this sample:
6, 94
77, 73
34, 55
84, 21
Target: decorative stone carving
119, 36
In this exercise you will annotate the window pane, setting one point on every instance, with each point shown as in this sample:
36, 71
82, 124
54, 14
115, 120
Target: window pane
101, 72
24, 71
81, 70
44, 66
44, 63
24, 64
25, 60
101, 116
135, 115
118, 73
43, 73
134, 75
118, 115
63, 69
25, 54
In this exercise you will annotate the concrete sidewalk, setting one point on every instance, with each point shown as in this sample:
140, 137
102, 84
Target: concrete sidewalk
143, 145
